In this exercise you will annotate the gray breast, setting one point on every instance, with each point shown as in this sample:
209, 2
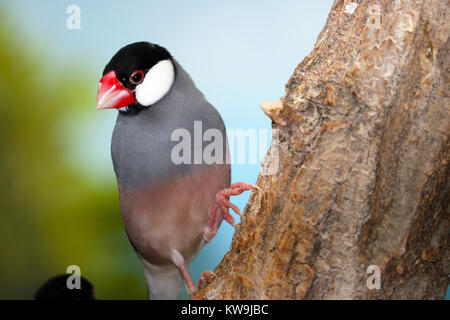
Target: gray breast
141, 144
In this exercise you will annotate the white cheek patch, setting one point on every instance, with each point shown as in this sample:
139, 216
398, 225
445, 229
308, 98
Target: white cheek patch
156, 84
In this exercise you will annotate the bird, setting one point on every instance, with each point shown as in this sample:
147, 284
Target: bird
170, 207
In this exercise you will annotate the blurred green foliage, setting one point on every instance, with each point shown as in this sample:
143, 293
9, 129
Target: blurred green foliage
52, 214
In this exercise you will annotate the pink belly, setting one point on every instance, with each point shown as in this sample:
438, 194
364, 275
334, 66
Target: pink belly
172, 215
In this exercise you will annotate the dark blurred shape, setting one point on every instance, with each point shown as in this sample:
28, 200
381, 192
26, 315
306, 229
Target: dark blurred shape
56, 289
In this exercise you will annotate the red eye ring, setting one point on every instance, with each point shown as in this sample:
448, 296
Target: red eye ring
137, 77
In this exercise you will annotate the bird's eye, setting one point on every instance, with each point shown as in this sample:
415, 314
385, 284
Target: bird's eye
137, 77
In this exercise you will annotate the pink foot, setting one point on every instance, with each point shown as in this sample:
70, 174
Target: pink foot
190, 286
191, 289
222, 206
204, 278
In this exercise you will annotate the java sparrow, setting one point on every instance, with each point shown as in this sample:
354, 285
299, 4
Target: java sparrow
170, 208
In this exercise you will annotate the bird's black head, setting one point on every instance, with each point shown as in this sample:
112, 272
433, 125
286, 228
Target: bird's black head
138, 75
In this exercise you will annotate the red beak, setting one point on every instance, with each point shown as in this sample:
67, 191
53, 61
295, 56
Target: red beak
111, 94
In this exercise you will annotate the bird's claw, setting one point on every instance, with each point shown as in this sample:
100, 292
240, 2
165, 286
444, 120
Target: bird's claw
254, 186
222, 206
204, 278
193, 290
222, 199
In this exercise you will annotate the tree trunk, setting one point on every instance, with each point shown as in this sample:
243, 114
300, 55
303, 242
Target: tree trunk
363, 152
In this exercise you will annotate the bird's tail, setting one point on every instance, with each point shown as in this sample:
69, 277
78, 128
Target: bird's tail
164, 282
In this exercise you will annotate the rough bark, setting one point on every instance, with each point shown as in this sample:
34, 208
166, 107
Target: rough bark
363, 178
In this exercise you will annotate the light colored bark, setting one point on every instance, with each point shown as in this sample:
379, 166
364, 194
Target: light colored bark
363, 179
